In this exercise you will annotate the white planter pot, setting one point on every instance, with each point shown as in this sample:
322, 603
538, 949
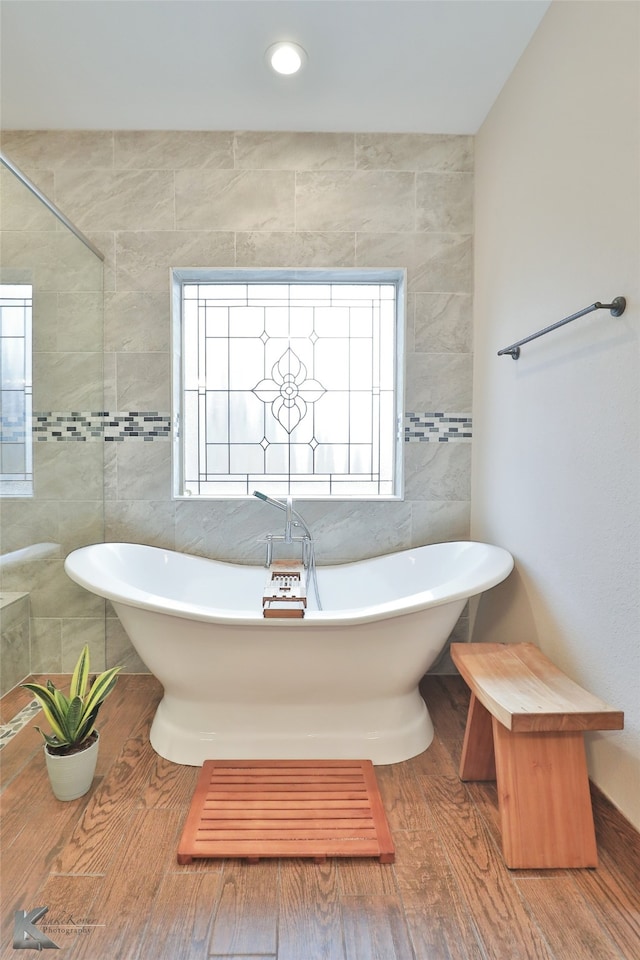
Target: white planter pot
72, 776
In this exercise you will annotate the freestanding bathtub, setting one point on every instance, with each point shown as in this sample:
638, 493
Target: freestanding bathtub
342, 683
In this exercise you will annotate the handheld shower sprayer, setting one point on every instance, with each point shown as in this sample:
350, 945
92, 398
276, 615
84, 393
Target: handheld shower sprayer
274, 503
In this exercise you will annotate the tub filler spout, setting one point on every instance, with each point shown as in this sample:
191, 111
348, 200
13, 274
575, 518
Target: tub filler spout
292, 519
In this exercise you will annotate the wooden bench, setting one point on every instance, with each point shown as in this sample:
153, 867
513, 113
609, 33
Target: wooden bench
525, 729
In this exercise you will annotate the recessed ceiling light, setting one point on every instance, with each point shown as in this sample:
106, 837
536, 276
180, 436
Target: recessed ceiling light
286, 57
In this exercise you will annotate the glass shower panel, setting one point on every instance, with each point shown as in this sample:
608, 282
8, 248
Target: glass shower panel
44, 617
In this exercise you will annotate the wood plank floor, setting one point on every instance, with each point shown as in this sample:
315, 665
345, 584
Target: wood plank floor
105, 865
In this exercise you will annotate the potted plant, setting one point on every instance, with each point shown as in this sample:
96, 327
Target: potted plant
71, 750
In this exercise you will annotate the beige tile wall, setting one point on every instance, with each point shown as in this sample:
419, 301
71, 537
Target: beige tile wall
156, 200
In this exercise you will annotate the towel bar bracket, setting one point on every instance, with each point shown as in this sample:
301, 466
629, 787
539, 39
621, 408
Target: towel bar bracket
618, 306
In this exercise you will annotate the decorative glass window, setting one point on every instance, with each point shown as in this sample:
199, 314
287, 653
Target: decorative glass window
289, 382
16, 464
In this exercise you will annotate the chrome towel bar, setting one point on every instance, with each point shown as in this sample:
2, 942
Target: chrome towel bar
617, 308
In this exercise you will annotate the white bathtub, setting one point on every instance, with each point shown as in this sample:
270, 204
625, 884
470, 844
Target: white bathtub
341, 683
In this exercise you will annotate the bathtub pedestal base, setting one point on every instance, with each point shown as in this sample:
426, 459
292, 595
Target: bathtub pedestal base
381, 732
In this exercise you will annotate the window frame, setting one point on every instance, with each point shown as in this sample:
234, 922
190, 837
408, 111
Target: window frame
184, 276
20, 484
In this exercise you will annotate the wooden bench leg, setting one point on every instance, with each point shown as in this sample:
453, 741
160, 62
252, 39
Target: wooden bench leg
544, 800
478, 760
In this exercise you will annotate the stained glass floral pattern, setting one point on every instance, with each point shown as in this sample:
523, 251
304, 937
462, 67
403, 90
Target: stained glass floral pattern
289, 390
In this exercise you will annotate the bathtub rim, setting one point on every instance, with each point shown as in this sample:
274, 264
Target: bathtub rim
141, 599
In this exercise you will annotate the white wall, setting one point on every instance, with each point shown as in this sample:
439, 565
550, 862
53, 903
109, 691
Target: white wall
556, 459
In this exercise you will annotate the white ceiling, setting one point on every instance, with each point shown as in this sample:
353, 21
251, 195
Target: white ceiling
421, 66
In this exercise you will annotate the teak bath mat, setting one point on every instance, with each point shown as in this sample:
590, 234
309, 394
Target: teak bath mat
286, 808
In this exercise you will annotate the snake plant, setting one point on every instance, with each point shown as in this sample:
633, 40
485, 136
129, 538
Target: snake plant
72, 719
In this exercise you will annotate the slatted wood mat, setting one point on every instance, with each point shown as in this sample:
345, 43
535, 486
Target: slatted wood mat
286, 808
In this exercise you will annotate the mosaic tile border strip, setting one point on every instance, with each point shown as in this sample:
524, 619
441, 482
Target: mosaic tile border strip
9, 730
147, 425
102, 425
437, 427
67, 426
